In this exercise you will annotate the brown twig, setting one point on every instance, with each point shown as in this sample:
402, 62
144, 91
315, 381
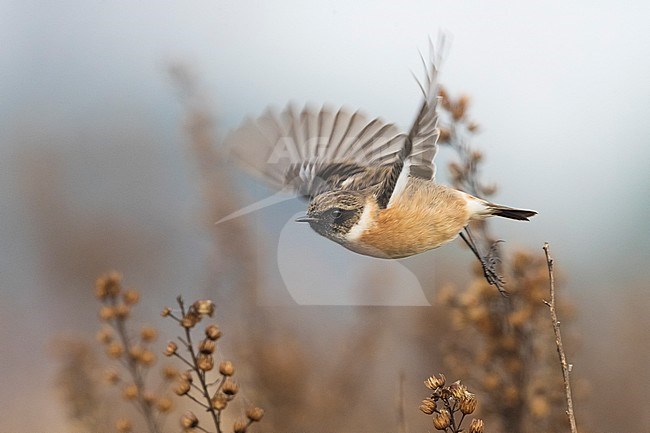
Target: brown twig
566, 367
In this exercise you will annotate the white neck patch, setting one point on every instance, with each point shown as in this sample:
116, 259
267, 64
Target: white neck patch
364, 223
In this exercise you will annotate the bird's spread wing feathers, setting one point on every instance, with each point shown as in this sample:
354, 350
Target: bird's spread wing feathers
315, 150
420, 146
311, 151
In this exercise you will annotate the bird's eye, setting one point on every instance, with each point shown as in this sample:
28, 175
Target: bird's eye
336, 213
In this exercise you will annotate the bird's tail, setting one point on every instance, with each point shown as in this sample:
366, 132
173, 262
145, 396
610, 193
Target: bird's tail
509, 212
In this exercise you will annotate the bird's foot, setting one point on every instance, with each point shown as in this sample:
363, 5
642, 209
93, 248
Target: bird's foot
489, 264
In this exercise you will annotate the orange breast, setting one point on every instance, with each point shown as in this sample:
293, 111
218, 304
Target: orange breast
422, 219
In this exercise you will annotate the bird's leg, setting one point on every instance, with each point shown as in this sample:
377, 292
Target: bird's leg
488, 262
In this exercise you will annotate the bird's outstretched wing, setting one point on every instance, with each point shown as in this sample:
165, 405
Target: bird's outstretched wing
420, 146
312, 151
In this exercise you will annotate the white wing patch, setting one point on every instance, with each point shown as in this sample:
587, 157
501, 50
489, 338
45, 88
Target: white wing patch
400, 185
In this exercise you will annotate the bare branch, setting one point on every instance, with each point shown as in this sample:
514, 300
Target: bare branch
566, 367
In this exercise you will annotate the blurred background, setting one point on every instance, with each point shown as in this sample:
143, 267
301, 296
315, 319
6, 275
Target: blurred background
100, 169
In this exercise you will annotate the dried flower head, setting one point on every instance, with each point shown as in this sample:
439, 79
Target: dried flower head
164, 405
434, 383
106, 313
171, 348
205, 362
226, 368
183, 387
122, 311
147, 358
111, 376
428, 406
240, 426
189, 420
458, 390
114, 350
207, 346
441, 419
468, 403
219, 402
169, 372
255, 414
476, 426
190, 319
108, 285
212, 332
204, 307
105, 335
130, 392
124, 425
165, 312
131, 297
148, 334
229, 387
187, 376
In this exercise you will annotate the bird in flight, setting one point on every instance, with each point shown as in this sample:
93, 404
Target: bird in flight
371, 187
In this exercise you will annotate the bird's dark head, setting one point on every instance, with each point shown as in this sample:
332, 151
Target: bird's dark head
334, 213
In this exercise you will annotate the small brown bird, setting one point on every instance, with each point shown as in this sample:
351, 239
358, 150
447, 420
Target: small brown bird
370, 187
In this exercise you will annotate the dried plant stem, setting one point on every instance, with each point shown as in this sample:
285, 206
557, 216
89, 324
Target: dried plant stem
132, 366
558, 341
205, 392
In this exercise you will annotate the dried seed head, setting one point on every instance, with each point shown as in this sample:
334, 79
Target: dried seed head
182, 388
135, 352
207, 346
166, 312
204, 307
164, 405
105, 335
108, 285
229, 387
148, 334
205, 362
114, 350
255, 414
213, 332
149, 398
122, 311
226, 368
189, 420
187, 376
468, 403
169, 372
111, 376
171, 349
428, 406
442, 419
131, 297
458, 390
219, 402
240, 426
190, 320
473, 127
124, 425
434, 383
106, 313
476, 426
130, 392
147, 358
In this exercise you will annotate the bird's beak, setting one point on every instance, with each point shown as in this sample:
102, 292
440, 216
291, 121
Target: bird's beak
305, 219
